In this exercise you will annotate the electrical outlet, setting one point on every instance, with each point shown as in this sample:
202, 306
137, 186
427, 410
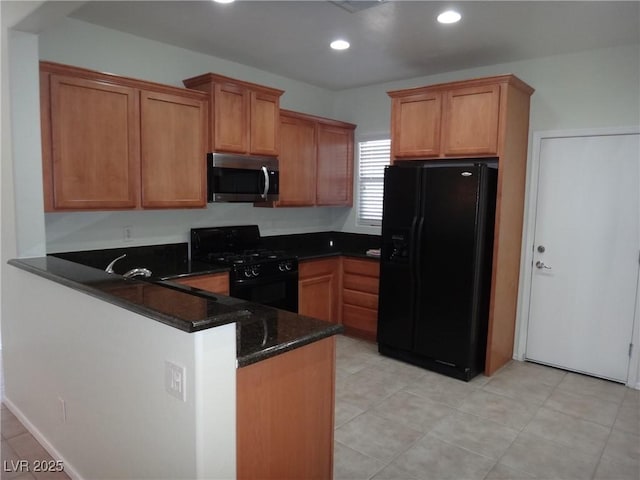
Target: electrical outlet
175, 379
127, 233
63, 410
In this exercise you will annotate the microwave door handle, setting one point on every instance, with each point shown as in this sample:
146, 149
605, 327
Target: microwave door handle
266, 182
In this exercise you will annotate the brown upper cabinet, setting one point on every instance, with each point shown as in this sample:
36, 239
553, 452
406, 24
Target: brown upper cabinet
172, 128
243, 116
316, 161
459, 119
334, 185
111, 142
297, 160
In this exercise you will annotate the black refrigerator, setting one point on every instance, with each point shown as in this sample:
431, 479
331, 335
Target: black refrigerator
435, 265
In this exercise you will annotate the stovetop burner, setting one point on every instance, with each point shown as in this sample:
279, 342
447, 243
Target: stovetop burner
236, 247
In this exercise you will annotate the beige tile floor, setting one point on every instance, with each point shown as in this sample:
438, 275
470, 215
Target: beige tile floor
396, 422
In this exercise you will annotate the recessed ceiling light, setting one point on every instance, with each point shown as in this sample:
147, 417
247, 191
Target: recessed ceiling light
224, 1
450, 16
339, 45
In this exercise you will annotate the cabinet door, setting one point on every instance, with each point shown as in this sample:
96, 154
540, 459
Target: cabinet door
360, 283
231, 118
415, 125
334, 184
297, 162
94, 151
264, 121
318, 289
216, 283
471, 121
285, 409
173, 146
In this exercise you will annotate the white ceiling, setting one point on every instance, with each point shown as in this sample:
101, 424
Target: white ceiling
391, 40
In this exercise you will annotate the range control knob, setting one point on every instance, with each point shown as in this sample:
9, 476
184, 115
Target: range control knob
285, 267
255, 271
247, 273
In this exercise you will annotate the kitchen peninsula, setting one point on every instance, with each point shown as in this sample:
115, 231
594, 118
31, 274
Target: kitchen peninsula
106, 368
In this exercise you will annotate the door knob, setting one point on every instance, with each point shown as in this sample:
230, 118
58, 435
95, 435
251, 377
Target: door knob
541, 265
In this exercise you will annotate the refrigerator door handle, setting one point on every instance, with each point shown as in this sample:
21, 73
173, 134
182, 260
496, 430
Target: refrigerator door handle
418, 249
413, 251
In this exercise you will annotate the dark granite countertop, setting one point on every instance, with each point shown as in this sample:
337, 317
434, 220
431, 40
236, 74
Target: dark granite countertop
164, 261
307, 246
171, 261
262, 332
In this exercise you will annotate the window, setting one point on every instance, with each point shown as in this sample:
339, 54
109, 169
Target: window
373, 157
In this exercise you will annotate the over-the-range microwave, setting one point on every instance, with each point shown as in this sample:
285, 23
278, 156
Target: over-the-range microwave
239, 178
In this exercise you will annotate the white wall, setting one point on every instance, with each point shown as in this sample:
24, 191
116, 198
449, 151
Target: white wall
95, 230
24, 85
10, 14
85, 45
107, 364
597, 88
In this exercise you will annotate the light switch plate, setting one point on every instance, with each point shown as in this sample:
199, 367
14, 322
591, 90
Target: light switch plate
175, 380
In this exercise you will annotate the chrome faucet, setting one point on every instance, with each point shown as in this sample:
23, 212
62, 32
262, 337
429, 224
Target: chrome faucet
134, 272
109, 268
137, 272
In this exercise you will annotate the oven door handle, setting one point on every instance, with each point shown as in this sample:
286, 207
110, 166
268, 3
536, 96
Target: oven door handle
266, 182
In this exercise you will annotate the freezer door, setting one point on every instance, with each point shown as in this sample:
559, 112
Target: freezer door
448, 265
397, 296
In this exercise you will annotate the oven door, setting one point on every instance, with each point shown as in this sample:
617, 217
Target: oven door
279, 292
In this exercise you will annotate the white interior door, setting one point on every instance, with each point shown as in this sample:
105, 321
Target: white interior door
586, 254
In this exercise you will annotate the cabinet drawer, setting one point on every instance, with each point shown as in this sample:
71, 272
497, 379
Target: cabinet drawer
361, 299
370, 268
216, 283
312, 268
359, 318
360, 283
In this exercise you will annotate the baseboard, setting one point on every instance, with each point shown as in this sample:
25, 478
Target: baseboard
68, 468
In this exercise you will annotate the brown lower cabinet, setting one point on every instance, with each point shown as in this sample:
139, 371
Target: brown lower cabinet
319, 289
216, 283
285, 415
341, 290
360, 281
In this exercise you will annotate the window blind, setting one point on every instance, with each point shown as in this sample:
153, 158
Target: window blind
374, 156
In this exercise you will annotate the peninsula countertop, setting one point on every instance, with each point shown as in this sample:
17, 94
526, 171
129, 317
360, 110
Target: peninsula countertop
261, 331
